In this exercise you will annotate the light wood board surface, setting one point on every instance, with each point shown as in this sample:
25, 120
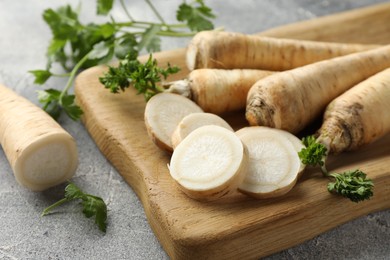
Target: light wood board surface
237, 226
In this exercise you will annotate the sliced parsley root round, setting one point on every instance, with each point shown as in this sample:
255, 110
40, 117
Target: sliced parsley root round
193, 121
273, 166
41, 153
209, 163
163, 112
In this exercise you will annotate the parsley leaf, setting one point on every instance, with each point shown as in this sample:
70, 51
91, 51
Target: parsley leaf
149, 39
314, 152
352, 184
70, 107
104, 6
125, 44
49, 98
41, 76
195, 16
143, 77
54, 102
77, 46
92, 205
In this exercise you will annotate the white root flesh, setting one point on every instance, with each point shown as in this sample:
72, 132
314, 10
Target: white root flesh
273, 166
209, 163
295, 141
163, 112
193, 121
40, 152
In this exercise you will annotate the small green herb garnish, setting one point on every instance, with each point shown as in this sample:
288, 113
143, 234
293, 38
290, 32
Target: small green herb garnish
92, 205
144, 77
76, 46
352, 184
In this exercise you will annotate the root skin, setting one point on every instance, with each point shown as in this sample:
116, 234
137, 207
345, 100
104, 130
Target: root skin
292, 99
220, 91
41, 153
229, 50
359, 116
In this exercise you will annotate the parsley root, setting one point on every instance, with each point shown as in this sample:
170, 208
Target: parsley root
40, 152
163, 112
209, 163
216, 90
359, 116
216, 49
290, 100
193, 121
273, 166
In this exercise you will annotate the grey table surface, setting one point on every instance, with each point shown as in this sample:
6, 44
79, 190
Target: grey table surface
67, 234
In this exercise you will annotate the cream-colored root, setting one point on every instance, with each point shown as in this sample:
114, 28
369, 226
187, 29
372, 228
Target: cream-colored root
291, 100
209, 163
163, 112
40, 152
230, 50
218, 91
193, 121
359, 116
273, 166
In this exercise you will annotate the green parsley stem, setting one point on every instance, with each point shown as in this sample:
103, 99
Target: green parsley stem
72, 75
126, 11
175, 34
61, 75
163, 33
52, 206
140, 23
155, 12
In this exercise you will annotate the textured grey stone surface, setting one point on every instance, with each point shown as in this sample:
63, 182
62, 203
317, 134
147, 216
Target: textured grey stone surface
66, 234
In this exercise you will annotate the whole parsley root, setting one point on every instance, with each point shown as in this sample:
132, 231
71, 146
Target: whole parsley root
231, 50
359, 116
356, 118
41, 153
291, 100
218, 91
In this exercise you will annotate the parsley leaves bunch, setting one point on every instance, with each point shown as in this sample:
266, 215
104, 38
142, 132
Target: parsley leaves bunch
351, 184
76, 46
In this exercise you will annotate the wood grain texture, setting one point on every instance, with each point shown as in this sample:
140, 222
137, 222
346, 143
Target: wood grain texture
237, 226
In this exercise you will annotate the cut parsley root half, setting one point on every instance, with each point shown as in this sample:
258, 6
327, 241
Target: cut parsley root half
273, 165
40, 152
209, 163
193, 121
163, 112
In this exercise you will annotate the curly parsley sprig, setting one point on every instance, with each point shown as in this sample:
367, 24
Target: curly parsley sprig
351, 184
144, 77
76, 46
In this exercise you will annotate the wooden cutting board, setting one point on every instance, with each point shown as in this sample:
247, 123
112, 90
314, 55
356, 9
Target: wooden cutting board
237, 226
